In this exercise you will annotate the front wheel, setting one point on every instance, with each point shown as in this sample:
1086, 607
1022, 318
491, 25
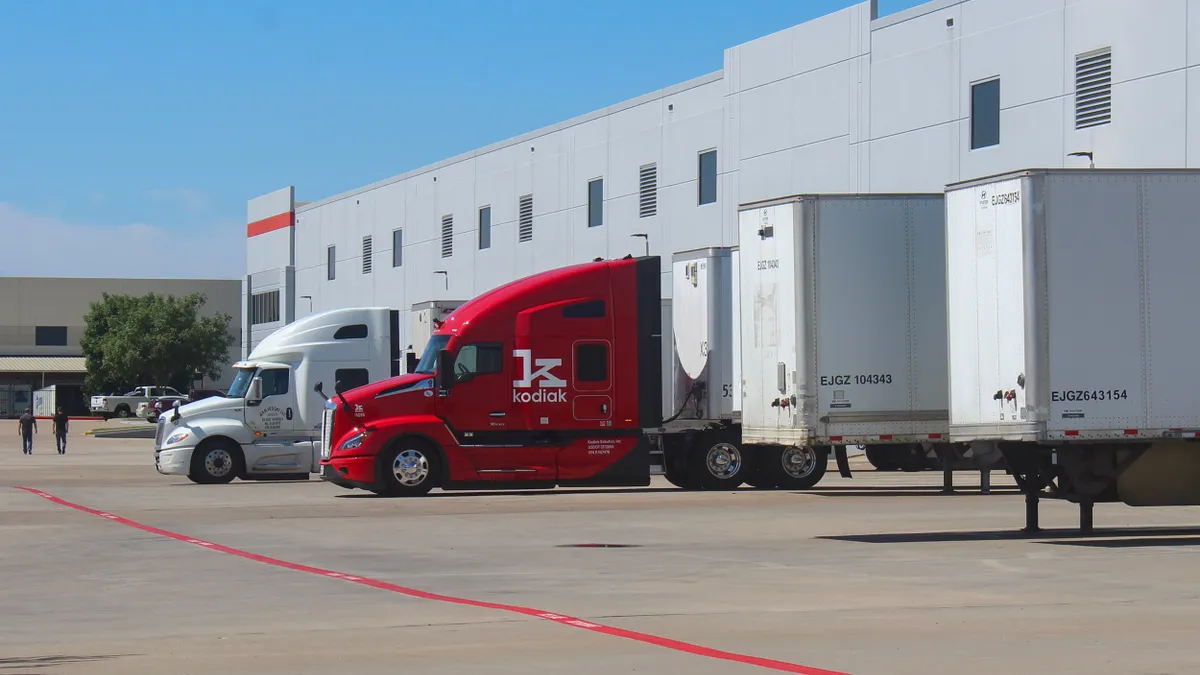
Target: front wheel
409, 469
215, 463
799, 468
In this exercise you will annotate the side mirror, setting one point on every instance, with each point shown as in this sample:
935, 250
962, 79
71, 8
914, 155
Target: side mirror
338, 387
320, 389
254, 396
445, 372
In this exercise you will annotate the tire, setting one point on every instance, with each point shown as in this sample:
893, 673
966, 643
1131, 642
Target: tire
799, 468
760, 476
880, 459
720, 464
681, 479
215, 463
410, 468
122, 411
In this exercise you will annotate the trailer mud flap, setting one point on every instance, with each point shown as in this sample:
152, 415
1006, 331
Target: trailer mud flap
843, 462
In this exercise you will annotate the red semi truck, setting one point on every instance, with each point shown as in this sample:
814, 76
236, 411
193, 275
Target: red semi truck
545, 381
552, 380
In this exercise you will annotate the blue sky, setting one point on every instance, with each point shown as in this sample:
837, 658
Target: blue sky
132, 133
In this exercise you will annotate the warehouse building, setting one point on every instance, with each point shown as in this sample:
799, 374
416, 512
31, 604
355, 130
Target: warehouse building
850, 102
42, 322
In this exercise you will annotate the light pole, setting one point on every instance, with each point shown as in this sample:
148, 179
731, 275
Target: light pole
1090, 156
647, 238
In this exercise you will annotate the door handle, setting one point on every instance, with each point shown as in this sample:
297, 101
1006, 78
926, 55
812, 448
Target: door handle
497, 413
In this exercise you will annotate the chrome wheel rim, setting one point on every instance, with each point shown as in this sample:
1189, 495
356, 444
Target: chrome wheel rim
723, 460
410, 468
799, 462
218, 463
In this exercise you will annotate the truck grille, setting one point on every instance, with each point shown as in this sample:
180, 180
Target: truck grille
327, 433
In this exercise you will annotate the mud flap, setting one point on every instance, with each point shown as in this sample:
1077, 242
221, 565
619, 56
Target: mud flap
843, 462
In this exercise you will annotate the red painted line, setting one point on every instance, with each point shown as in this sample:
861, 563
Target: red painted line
271, 224
667, 643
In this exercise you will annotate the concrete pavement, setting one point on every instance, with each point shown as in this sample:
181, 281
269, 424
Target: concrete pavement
879, 575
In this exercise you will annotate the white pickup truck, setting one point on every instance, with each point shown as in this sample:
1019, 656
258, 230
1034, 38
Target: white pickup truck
126, 405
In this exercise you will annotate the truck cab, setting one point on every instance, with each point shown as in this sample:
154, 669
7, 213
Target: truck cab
546, 381
267, 424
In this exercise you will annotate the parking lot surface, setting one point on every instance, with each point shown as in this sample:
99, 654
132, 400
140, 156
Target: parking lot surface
870, 576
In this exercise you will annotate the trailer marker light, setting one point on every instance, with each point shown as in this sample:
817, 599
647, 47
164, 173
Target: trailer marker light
935, 436
1131, 432
1071, 433
885, 437
835, 438
562, 620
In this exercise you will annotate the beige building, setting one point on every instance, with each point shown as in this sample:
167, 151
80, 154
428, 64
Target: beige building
41, 324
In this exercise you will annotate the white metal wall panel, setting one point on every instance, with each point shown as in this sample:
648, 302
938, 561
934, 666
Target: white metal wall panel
985, 301
862, 301
1094, 301
770, 322
1172, 285
927, 340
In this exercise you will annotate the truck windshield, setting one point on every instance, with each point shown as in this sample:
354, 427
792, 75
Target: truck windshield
241, 382
429, 359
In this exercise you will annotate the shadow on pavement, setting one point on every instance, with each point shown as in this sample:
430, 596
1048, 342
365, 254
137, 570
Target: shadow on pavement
1116, 535
1134, 542
36, 663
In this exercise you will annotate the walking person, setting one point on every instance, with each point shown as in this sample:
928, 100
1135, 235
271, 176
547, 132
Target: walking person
27, 427
60, 431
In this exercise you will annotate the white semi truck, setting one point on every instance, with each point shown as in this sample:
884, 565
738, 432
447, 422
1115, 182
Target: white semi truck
267, 425
1072, 326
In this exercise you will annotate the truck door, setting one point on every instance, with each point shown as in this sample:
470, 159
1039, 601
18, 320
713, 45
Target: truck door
275, 415
479, 411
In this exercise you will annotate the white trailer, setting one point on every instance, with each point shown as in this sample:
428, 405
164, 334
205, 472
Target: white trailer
426, 317
1072, 328
268, 424
843, 329
698, 445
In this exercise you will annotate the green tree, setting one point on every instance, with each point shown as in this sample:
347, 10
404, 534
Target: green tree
153, 339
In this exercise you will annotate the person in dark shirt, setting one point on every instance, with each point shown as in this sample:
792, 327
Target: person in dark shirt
60, 431
27, 427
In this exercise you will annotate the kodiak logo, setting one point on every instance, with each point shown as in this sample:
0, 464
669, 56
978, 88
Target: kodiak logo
543, 376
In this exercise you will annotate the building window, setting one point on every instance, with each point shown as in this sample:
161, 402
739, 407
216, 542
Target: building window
50, 336
397, 248
346, 379
264, 307
331, 263
648, 191
1093, 88
484, 358
985, 114
708, 177
274, 381
447, 236
591, 362
366, 261
596, 202
525, 218
354, 331
588, 309
485, 227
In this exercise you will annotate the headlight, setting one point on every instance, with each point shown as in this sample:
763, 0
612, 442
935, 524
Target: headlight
177, 437
353, 442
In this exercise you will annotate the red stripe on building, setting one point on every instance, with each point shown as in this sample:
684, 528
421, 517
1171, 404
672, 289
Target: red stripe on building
270, 224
